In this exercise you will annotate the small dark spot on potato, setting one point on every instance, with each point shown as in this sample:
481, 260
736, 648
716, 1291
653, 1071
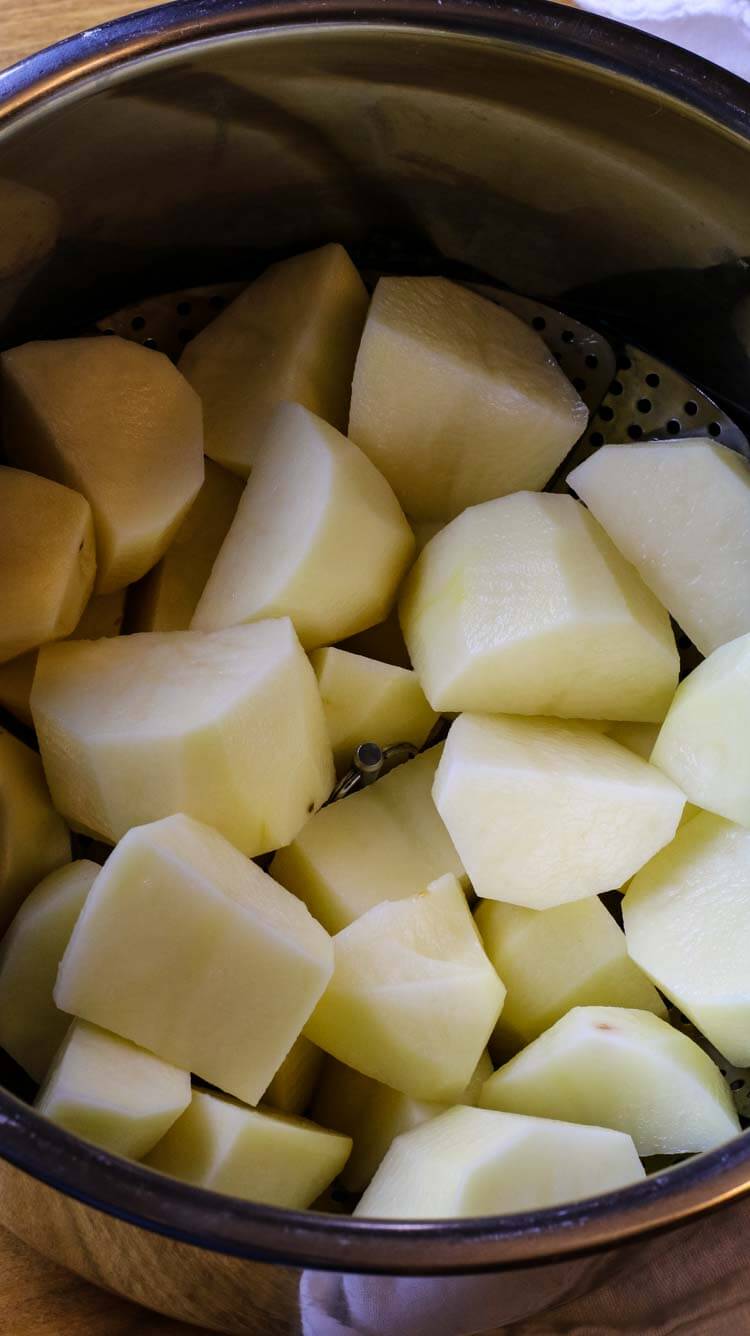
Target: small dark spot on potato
311, 808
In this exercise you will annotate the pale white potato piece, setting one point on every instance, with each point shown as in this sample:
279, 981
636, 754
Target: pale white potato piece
625, 1069
704, 742
680, 512
368, 701
413, 998
384, 843
478, 1162
228, 727
553, 960
291, 1089
543, 812
34, 840
108, 1091
641, 739
166, 598
373, 1114
292, 335
31, 1026
318, 537
217, 973
117, 422
524, 606
102, 616
456, 400
47, 560
687, 922
258, 1154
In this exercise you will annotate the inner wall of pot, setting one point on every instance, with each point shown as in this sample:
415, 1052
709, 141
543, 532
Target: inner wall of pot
416, 149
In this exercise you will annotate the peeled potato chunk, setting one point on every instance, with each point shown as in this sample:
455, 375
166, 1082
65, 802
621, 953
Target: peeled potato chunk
102, 616
368, 701
227, 727
704, 742
117, 422
551, 961
31, 1026
413, 998
291, 1089
456, 400
257, 1154
384, 843
478, 1162
47, 560
108, 1091
543, 812
189, 949
680, 512
292, 335
166, 598
687, 922
34, 840
318, 537
625, 1069
373, 1115
523, 606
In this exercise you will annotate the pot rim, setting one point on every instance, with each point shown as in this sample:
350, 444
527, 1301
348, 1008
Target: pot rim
210, 1220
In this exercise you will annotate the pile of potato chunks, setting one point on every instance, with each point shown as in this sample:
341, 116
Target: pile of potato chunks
421, 998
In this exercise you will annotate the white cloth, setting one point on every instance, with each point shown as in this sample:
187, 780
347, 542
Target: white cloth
717, 29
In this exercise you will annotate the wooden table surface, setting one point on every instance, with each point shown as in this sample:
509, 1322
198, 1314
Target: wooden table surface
27, 25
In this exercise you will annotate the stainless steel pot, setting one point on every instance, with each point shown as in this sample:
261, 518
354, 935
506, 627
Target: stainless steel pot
567, 156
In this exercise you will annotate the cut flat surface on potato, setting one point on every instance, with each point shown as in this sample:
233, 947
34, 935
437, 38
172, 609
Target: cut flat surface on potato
704, 742
108, 1091
217, 973
31, 1026
47, 560
524, 606
680, 512
102, 616
318, 537
166, 598
228, 727
620, 1068
553, 960
384, 843
292, 335
687, 922
257, 1154
117, 422
34, 840
544, 812
373, 1115
291, 1089
456, 400
368, 701
477, 1162
413, 998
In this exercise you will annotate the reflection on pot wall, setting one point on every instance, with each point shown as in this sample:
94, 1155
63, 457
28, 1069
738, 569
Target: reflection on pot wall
558, 184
